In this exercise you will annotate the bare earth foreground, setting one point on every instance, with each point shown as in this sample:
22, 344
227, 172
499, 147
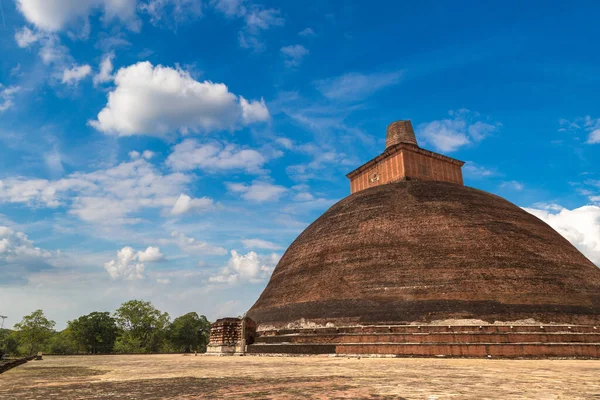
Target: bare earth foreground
189, 377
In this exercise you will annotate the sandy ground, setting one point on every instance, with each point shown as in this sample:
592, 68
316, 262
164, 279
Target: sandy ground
251, 377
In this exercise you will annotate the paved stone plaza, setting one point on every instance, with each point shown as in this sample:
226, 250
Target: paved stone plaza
318, 377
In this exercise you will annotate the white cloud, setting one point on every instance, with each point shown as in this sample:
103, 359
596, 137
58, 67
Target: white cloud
463, 128
594, 137
260, 244
213, 157
307, 32
7, 95
161, 100
580, 226
250, 267
321, 159
257, 191
231, 8
15, 246
105, 196
192, 246
147, 154
174, 11
19, 258
254, 111
287, 144
293, 55
55, 15
513, 185
26, 37
185, 204
53, 160
76, 73
52, 52
151, 254
106, 68
588, 125
304, 196
474, 170
126, 266
357, 86
256, 19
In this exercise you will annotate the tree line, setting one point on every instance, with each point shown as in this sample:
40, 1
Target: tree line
135, 327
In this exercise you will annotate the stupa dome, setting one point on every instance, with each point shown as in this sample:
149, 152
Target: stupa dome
422, 251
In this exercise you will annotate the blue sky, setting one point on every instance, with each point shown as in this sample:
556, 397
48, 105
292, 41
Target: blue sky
171, 150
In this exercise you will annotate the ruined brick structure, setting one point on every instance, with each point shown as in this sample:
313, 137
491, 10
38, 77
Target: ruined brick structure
414, 263
230, 336
403, 160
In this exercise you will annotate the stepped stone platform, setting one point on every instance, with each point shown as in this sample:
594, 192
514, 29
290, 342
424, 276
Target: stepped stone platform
503, 341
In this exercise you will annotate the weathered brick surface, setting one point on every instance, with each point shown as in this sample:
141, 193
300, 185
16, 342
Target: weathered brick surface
435, 338
403, 160
225, 332
400, 132
415, 252
516, 350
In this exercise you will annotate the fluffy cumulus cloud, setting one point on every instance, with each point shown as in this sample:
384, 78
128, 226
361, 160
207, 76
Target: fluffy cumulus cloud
357, 86
186, 204
19, 257
249, 267
55, 15
7, 95
196, 247
580, 226
114, 195
150, 254
15, 246
254, 111
293, 55
76, 73
157, 100
126, 266
257, 191
464, 127
214, 157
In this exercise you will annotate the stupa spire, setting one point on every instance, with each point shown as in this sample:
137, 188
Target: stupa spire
400, 132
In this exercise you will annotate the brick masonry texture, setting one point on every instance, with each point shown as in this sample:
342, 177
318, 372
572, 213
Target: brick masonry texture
403, 159
416, 252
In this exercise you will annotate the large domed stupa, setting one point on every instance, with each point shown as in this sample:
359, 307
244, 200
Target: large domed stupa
413, 263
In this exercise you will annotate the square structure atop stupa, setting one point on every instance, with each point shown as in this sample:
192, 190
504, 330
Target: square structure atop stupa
402, 160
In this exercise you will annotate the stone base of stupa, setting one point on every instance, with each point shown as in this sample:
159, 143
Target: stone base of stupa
474, 341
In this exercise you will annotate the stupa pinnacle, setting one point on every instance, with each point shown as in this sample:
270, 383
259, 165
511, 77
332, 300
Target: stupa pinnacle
404, 160
400, 132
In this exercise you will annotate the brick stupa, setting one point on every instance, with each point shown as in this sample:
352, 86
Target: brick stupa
414, 263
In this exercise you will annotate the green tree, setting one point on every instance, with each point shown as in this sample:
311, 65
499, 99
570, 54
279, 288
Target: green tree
95, 332
33, 331
11, 344
189, 332
143, 327
62, 343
